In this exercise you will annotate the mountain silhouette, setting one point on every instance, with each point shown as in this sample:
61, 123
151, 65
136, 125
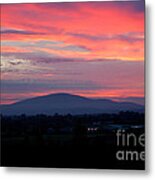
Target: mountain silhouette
63, 103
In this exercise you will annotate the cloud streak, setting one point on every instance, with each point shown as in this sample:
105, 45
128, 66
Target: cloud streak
130, 37
19, 32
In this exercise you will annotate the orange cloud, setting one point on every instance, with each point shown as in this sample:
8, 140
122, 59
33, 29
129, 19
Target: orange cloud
90, 21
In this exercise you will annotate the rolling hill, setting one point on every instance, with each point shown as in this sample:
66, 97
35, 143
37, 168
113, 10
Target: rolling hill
63, 103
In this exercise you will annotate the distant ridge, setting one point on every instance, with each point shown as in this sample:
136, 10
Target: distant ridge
63, 103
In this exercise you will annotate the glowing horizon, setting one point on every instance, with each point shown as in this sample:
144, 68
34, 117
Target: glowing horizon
93, 49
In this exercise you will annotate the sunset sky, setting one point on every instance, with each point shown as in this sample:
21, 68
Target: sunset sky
94, 49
